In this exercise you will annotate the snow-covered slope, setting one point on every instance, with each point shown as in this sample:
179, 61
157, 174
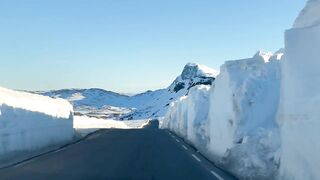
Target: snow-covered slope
95, 102
29, 122
156, 103
299, 115
234, 122
151, 104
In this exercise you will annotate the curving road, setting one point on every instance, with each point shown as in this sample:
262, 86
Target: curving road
137, 154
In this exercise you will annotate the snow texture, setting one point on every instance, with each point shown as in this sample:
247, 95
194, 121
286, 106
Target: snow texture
234, 121
187, 117
29, 122
309, 16
85, 125
299, 115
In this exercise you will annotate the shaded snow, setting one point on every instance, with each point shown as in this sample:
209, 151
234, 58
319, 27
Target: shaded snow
85, 125
151, 104
229, 121
30, 122
309, 16
299, 115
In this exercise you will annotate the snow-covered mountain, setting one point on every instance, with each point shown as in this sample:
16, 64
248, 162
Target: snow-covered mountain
151, 104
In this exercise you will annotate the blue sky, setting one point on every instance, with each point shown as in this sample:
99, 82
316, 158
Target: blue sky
131, 45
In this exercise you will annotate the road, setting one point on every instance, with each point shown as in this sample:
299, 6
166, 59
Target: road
137, 154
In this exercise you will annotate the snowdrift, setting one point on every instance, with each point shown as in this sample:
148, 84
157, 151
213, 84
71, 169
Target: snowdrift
235, 117
299, 114
29, 122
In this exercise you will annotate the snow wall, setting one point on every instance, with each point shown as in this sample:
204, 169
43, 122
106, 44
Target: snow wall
299, 115
263, 118
29, 122
233, 122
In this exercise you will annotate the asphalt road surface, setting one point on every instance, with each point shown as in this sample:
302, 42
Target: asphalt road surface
139, 154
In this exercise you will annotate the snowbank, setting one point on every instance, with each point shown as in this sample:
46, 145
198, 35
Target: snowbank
299, 115
151, 104
309, 16
187, 117
234, 122
242, 116
29, 122
85, 125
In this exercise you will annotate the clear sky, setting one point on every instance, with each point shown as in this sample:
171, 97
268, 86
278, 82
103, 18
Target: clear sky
131, 45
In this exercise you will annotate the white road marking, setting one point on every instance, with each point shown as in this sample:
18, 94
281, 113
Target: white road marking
184, 147
216, 175
194, 156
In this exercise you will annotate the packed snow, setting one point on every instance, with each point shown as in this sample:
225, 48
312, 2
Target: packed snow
23, 100
309, 16
299, 115
242, 116
85, 125
229, 119
260, 118
29, 122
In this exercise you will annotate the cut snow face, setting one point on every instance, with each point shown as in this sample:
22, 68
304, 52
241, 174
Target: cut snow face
229, 122
309, 16
299, 115
30, 122
151, 104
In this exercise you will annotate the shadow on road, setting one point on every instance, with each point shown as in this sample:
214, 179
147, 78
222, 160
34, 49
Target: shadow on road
151, 124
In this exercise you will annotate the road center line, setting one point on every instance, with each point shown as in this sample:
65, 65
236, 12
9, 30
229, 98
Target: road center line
177, 140
194, 156
184, 147
216, 175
